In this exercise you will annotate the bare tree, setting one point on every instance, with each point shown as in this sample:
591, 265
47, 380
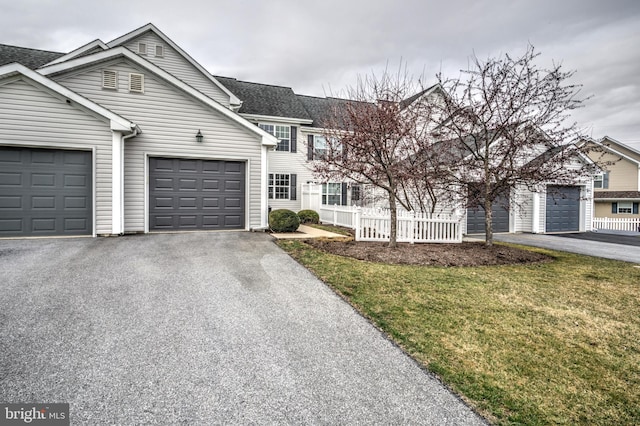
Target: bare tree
505, 123
372, 137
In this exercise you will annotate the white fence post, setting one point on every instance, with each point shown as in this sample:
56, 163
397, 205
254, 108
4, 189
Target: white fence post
356, 221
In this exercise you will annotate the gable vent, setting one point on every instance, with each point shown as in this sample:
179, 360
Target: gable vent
142, 48
109, 79
159, 50
136, 83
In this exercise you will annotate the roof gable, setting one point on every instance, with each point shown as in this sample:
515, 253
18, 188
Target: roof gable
117, 52
89, 48
120, 41
117, 122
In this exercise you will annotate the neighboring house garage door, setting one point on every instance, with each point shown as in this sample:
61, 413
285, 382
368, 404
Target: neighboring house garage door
563, 208
499, 218
45, 192
191, 194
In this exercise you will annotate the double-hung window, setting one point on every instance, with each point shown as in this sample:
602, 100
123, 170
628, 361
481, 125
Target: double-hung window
598, 181
332, 194
286, 136
282, 186
319, 147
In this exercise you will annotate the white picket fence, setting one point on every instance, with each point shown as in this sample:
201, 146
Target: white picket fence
617, 224
375, 225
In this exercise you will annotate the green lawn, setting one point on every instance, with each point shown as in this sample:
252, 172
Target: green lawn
554, 343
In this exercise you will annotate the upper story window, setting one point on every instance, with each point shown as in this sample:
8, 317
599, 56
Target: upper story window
142, 48
159, 50
601, 181
286, 135
319, 146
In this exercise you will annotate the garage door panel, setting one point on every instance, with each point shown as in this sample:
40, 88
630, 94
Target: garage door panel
231, 220
40, 179
194, 181
46, 203
10, 179
210, 185
47, 192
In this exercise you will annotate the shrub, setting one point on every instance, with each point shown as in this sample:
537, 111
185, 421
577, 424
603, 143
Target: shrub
308, 216
283, 220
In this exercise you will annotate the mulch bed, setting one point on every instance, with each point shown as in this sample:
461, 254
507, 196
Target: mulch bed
463, 254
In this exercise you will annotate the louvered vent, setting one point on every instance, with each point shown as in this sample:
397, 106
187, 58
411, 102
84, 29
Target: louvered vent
142, 48
136, 83
159, 50
109, 79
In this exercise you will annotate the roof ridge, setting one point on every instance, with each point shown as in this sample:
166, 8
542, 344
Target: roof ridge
256, 83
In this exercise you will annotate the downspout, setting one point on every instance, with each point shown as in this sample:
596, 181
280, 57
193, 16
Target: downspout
120, 189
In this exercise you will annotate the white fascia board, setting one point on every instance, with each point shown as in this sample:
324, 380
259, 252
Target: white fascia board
79, 51
121, 51
117, 122
273, 119
233, 99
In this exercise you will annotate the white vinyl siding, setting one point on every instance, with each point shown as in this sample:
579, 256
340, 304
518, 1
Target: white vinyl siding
172, 62
170, 119
32, 117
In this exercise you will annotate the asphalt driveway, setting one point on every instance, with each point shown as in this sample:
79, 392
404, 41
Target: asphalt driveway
203, 328
608, 248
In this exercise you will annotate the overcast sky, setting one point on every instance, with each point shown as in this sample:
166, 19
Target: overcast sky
317, 47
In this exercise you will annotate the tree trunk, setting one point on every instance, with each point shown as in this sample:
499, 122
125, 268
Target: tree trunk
488, 222
393, 243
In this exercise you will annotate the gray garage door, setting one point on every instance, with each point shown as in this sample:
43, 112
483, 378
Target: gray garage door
563, 208
196, 194
499, 218
45, 192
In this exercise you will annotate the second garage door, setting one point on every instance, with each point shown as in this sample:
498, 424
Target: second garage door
563, 208
499, 218
192, 194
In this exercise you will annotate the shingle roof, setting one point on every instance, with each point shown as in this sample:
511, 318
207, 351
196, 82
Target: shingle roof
265, 99
30, 58
616, 194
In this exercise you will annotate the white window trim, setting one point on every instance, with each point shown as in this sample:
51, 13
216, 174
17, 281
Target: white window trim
598, 178
275, 130
272, 186
326, 194
626, 205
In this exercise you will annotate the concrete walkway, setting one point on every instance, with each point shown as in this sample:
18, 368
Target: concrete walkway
304, 232
606, 250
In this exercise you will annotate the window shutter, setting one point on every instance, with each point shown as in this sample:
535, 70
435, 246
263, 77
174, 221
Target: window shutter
614, 208
294, 139
343, 201
605, 180
310, 147
293, 184
635, 208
